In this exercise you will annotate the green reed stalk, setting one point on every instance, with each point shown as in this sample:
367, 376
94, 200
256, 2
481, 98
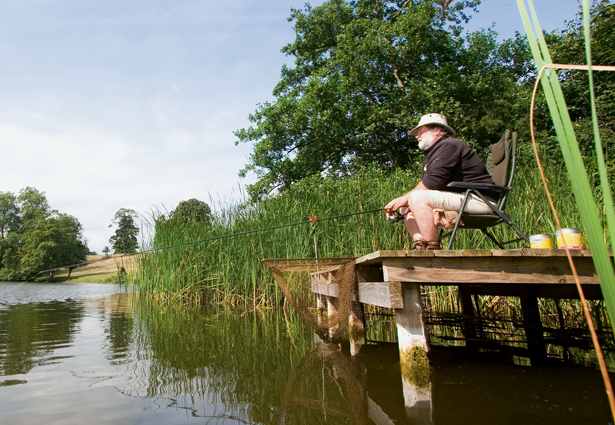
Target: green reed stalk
230, 270
573, 159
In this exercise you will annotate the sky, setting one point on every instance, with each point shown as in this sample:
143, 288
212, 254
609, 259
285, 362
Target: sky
133, 104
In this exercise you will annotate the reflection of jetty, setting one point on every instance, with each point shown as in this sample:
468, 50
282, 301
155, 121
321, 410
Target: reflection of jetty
393, 279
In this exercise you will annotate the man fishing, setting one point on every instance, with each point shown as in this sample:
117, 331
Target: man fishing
447, 160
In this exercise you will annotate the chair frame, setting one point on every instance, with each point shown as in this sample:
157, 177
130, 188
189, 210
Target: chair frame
498, 214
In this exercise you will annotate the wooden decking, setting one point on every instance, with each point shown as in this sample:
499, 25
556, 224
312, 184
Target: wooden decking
393, 279
488, 272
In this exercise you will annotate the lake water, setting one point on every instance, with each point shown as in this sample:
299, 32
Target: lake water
91, 354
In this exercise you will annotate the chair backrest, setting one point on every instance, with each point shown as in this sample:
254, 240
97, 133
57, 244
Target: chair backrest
501, 163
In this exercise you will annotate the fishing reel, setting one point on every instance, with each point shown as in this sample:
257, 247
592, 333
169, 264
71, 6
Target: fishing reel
397, 216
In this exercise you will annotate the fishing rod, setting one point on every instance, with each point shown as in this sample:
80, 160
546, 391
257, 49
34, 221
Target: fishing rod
311, 220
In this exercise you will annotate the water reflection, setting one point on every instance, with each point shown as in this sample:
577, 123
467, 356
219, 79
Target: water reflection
117, 358
31, 333
222, 363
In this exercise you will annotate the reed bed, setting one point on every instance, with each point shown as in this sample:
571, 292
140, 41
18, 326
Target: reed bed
229, 269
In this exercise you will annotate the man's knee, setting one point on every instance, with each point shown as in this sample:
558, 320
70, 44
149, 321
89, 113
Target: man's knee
419, 198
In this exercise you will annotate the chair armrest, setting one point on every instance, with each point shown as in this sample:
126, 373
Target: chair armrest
479, 186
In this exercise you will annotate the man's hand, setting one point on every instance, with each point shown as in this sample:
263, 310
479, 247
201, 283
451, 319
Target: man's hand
402, 201
396, 204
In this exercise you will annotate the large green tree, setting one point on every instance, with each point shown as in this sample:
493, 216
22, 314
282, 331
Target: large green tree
54, 242
124, 241
34, 237
364, 72
568, 47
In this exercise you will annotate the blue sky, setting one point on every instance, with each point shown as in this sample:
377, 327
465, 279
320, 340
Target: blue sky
132, 104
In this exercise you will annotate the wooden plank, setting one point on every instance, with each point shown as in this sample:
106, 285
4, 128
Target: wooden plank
455, 270
327, 289
378, 256
566, 291
446, 253
375, 256
382, 294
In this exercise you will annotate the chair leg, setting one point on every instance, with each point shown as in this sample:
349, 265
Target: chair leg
493, 239
505, 217
454, 232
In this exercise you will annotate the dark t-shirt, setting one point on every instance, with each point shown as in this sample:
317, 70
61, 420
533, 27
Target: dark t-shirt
451, 160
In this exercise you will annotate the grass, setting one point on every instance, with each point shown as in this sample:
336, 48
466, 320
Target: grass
229, 269
101, 269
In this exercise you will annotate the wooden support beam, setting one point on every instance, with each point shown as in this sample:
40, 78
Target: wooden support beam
413, 348
382, 294
532, 324
410, 329
471, 326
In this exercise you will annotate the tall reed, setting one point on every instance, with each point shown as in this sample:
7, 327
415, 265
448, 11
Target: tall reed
229, 269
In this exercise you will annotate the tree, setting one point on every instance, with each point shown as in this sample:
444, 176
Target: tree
9, 214
568, 47
34, 237
124, 241
106, 251
55, 242
364, 72
191, 211
33, 205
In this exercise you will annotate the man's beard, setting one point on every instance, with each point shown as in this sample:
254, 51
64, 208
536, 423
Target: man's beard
424, 145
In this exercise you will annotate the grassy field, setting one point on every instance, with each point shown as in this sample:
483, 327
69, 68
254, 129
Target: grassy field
101, 269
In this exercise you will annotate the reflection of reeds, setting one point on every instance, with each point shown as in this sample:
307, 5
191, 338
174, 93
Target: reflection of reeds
230, 270
222, 359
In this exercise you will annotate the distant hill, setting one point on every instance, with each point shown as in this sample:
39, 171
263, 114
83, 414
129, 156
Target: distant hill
100, 269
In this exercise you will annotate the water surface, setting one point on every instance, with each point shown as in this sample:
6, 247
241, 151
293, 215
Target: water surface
89, 353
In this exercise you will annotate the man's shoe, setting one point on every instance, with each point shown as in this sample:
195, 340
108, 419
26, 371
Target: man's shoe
423, 245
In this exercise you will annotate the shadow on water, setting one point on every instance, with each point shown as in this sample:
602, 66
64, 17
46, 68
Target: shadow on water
130, 360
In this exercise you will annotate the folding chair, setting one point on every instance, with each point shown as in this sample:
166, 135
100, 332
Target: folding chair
501, 166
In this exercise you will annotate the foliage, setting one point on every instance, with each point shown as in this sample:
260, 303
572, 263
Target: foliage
597, 235
54, 242
36, 238
124, 241
191, 211
9, 213
567, 47
364, 72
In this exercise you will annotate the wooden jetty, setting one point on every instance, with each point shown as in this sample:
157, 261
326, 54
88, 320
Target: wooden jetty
393, 279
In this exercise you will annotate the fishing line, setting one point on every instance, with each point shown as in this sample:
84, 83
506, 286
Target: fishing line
311, 221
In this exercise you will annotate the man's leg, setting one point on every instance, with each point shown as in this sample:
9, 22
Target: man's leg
420, 223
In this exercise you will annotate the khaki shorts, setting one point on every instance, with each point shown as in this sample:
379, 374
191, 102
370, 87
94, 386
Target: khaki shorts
450, 201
